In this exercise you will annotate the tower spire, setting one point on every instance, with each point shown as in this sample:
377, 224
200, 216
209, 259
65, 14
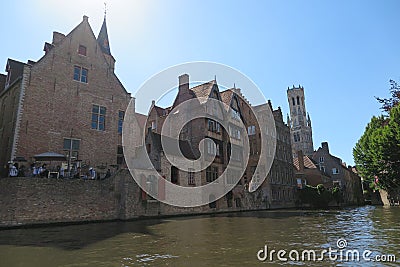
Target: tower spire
102, 39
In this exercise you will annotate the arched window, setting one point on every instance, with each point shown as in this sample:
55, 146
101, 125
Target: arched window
294, 103
298, 100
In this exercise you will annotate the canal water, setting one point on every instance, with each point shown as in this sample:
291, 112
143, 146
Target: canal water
219, 240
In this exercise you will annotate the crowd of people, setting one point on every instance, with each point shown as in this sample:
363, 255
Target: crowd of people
42, 171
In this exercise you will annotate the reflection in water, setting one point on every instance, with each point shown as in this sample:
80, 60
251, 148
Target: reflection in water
219, 240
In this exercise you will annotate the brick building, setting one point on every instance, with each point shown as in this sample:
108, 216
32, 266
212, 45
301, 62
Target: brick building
278, 189
341, 175
307, 172
70, 101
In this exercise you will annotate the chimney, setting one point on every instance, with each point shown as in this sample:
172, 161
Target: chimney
85, 18
325, 146
57, 37
184, 82
300, 157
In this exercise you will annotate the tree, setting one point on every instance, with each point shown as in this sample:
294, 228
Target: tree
394, 100
377, 153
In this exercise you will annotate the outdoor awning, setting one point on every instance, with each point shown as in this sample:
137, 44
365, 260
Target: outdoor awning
50, 156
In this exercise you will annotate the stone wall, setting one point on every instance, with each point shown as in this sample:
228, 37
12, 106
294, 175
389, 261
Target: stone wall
30, 201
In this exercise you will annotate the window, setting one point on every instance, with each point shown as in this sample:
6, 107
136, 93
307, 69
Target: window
253, 147
296, 137
321, 159
82, 50
153, 125
80, 74
335, 171
322, 168
234, 132
294, 103
211, 174
98, 117
298, 100
152, 186
211, 149
235, 114
121, 115
251, 130
214, 126
120, 155
71, 147
191, 177
174, 175
236, 153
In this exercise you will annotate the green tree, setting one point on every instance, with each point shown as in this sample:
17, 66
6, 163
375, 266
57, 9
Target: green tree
377, 153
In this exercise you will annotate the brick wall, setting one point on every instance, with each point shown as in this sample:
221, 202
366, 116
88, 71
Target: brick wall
27, 201
39, 200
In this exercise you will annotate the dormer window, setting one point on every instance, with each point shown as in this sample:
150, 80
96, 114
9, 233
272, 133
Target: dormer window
82, 50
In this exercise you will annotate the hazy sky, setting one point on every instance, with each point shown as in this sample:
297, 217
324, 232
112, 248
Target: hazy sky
342, 52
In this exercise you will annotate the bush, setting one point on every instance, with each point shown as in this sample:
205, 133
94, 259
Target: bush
318, 196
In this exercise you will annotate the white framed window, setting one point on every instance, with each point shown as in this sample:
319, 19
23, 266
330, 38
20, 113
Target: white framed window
153, 125
98, 117
251, 130
80, 74
321, 159
211, 174
235, 114
191, 177
234, 132
211, 148
335, 171
214, 126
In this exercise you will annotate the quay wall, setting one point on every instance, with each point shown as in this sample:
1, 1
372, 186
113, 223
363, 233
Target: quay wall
33, 201
42, 200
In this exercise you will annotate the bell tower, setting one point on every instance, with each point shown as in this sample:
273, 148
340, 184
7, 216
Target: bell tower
299, 122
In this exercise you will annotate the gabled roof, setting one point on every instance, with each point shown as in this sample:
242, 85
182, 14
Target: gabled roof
141, 119
160, 111
226, 96
202, 91
308, 163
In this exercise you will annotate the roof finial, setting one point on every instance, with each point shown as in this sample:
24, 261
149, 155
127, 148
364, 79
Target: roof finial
234, 85
215, 77
105, 9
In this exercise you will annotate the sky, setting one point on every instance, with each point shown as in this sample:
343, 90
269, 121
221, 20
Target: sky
342, 52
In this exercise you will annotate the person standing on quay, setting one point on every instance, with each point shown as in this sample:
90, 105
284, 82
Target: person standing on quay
13, 171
